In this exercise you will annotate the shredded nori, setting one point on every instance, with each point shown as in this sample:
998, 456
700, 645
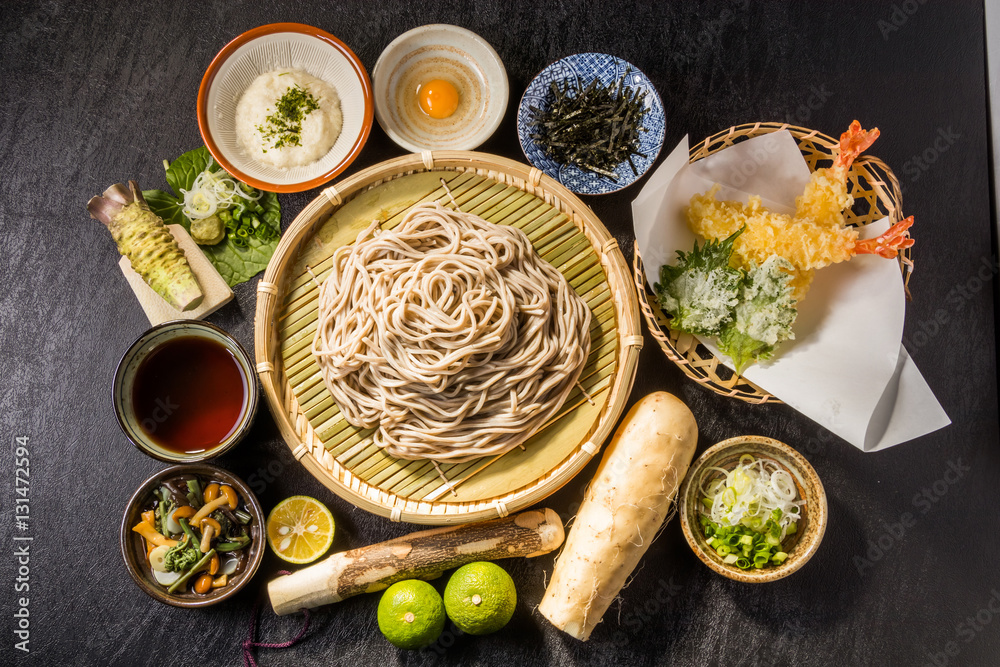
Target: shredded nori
594, 128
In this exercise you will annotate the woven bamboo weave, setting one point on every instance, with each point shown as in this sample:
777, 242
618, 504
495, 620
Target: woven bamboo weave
876, 195
561, 228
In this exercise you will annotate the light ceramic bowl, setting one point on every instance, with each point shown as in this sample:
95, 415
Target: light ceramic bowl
800, 547
135, 556
271, 47
583, 68
121, 388
440, 51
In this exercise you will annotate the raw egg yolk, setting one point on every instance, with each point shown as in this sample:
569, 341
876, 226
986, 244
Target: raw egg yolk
438, 98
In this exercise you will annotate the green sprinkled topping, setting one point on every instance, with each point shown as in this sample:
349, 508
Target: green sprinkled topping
284, 126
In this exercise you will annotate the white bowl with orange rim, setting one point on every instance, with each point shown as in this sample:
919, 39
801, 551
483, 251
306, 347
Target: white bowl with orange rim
266, 49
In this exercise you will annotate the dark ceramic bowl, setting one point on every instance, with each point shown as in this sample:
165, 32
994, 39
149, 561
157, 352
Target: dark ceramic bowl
800, 547
134, 553
121, 390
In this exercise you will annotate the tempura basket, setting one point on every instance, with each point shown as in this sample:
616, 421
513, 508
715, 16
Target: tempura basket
876, 195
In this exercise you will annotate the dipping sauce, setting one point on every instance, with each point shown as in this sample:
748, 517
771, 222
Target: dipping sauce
288, 118
189, 394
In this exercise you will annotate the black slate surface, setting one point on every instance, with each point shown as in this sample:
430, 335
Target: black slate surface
907, 573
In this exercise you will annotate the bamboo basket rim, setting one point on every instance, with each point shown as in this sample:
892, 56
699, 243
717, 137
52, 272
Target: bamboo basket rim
885, 198
295, 427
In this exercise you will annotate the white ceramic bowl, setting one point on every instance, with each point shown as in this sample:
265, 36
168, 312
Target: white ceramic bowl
267, 48
440, 51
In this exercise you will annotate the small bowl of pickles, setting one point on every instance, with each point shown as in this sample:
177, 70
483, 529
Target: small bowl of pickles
192, 535
753, 509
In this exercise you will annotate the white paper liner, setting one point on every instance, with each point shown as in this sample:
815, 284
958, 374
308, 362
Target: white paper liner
846, 369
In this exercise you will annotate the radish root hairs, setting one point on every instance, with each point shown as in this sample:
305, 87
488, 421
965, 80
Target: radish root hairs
623, 512
618, 598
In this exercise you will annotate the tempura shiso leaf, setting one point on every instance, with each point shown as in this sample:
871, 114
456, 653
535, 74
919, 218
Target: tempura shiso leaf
145, 240
749, 311
701, 289
764, 315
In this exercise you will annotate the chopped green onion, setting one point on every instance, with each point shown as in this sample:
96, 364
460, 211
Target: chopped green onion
747, 512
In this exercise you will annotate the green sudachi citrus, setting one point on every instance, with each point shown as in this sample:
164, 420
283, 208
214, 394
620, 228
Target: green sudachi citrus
411, 614
480, 598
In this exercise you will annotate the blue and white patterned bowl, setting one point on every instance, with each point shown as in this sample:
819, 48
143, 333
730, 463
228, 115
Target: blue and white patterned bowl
584, 68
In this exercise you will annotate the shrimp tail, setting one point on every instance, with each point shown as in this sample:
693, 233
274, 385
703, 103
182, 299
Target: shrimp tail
853, 143
887, 245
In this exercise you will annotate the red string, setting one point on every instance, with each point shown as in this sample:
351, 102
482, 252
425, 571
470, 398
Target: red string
250, 643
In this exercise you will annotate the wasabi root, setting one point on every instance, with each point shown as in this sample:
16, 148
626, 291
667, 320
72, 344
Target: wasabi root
145, 240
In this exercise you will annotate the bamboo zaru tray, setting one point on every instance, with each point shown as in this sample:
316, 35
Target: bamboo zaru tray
876, 195
561, 228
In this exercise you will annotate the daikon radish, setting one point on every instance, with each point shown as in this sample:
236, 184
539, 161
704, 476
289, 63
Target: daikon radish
624, 508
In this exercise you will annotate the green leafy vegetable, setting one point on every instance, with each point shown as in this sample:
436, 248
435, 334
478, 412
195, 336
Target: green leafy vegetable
750, 312
764, 315
164, 507
195, 493
187, 575
232, 546
701, 290
235, 264
181, 557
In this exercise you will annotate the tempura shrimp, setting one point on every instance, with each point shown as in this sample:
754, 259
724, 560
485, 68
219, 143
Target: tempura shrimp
816, 236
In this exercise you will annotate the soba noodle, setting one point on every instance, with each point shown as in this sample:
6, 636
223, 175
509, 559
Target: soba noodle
449, 334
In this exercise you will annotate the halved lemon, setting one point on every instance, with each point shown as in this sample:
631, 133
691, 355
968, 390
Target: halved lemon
300, 529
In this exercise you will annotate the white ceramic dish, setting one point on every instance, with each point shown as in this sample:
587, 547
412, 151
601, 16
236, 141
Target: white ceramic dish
267, 48
440, 51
